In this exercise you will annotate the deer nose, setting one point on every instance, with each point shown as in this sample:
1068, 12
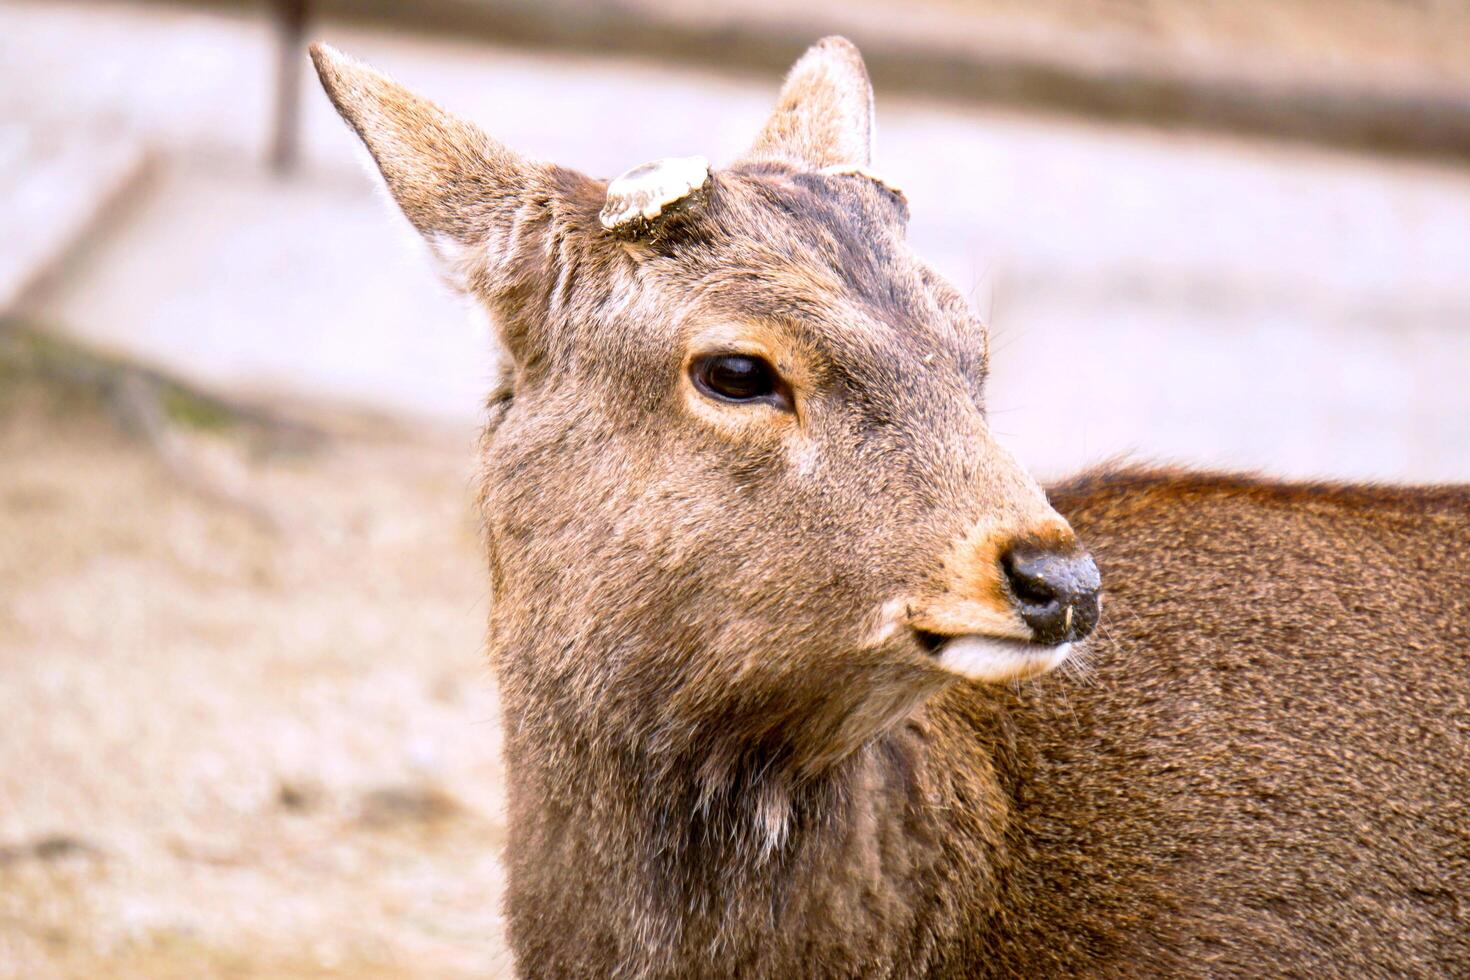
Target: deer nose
1055, 593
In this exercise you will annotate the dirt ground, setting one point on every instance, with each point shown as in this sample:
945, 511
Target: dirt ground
248, 730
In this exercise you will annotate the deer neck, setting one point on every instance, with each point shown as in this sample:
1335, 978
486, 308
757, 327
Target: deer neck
730, 855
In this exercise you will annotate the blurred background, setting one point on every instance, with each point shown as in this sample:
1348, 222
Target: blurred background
248, 730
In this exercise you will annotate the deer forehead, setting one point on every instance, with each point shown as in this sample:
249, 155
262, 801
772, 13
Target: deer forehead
859, 322
789, 245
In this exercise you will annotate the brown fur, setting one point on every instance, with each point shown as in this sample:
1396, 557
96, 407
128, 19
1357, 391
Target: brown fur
728, 751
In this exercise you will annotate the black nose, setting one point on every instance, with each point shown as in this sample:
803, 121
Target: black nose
1055, 592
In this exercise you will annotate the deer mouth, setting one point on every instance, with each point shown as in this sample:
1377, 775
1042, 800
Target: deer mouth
991, 658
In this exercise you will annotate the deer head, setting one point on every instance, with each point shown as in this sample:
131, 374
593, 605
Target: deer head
738, 484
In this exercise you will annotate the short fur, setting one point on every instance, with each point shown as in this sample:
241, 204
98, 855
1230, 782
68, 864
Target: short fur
729, 751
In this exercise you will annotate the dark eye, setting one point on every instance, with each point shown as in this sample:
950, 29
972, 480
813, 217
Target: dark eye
739, 378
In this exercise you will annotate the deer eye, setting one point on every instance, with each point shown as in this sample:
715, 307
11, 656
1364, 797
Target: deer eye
739, 378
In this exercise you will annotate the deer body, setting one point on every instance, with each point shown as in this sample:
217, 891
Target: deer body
763, 583
1258, 773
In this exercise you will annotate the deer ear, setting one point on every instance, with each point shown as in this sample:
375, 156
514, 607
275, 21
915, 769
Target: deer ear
456, 185
824, 117
488, 215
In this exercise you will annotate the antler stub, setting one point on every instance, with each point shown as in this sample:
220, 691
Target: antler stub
639, 197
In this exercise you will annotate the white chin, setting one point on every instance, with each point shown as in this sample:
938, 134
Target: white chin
987, 658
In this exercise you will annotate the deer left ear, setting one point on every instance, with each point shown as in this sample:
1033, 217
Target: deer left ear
824, 118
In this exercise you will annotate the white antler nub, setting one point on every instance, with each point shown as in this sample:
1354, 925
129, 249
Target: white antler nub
643, 193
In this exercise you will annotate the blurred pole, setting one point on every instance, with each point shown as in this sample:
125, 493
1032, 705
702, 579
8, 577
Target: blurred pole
291, 34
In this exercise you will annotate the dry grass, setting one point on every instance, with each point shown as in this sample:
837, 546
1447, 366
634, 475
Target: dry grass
235, 750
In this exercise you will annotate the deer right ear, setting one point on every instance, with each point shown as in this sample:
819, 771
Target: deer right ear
484, 210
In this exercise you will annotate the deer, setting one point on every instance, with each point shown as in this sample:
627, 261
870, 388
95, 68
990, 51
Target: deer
802, 674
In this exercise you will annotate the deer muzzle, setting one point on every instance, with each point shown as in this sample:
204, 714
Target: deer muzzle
1007, 606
